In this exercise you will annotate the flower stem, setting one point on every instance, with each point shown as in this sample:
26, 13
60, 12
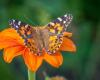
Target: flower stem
31, 75
47, 78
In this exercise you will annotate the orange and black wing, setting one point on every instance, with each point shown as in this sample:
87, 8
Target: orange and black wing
56, 29
26, 32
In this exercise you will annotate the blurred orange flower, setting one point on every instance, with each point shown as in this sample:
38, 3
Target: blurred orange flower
13, 46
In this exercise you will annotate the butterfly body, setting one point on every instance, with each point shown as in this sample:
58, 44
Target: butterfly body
40, 38
47, 37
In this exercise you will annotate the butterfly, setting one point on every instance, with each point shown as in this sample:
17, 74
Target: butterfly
49, 37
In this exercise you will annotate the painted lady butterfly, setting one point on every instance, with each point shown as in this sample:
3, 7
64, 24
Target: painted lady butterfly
49, 37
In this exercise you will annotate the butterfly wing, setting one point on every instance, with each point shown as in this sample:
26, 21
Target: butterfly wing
26, 32
56, 29
36, 39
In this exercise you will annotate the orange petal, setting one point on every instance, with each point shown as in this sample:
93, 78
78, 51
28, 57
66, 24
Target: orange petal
32, 61
11, 52
8, 42
54, 59
10, 33
67, 34
67, 45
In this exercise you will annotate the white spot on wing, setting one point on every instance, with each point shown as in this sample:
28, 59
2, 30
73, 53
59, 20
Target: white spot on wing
26, 26
64, 22
59, 19
16, 26
51, 23
13, 20
19, 22
65, 15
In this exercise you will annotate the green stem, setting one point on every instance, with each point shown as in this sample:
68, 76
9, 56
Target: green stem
47, 78
31, 75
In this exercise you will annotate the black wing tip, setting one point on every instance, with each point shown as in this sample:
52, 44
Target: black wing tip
14, 23
67, 15
63, 20
11, 21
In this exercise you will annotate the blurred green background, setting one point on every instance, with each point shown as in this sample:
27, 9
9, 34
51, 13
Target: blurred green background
82, 65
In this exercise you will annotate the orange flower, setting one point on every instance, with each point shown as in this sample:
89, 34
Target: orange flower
13, 46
